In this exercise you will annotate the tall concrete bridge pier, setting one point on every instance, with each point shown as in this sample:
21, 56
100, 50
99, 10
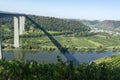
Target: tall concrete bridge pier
19, 27
19, 23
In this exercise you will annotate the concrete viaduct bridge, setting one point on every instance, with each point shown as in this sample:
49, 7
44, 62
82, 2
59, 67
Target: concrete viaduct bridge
19, 26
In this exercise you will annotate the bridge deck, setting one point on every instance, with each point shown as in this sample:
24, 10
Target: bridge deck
9, 14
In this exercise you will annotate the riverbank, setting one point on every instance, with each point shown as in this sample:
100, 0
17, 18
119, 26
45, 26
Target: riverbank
70, 49
114, 60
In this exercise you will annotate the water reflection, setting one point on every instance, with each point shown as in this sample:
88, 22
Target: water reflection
70, 57
19, 54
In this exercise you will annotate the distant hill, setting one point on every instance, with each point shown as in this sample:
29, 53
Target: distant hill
90, 23
109, 25
106, 24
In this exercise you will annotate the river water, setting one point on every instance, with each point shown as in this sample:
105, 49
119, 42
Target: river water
51, 57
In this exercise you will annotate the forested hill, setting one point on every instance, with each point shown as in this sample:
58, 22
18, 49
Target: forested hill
56, 24
50, 23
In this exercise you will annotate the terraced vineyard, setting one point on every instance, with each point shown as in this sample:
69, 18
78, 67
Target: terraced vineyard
113, 61
108, 41
68, 41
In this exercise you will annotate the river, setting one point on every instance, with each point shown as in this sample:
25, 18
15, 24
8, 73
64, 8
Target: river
51, 57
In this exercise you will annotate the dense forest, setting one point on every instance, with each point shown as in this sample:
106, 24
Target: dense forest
56, 24
49, 23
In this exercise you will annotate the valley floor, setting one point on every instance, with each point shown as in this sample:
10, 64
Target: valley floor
99, 41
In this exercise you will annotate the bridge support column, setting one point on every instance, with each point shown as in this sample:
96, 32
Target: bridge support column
0, 51
21, 24
16, 32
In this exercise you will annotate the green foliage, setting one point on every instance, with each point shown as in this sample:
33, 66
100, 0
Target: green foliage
19, 70
114, 65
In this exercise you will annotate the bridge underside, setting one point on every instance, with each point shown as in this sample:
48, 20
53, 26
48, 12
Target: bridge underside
8, 14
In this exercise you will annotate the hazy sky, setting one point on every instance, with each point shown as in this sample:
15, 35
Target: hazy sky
78, 9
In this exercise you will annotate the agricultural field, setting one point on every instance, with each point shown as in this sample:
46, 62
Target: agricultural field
99, 40
37, 39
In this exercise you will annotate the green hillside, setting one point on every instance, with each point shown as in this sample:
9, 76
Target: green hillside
71, 34
49, 23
